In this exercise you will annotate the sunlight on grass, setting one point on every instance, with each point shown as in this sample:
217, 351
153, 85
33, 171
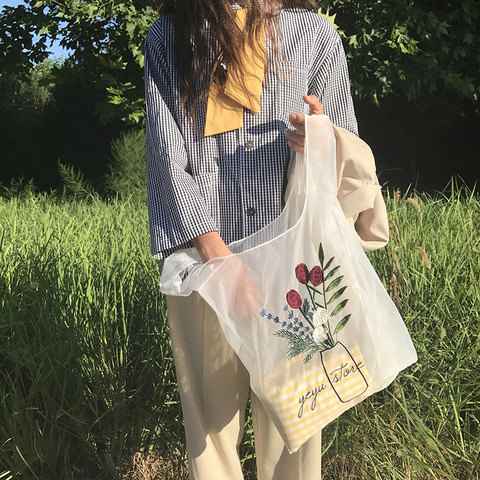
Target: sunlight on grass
87, 383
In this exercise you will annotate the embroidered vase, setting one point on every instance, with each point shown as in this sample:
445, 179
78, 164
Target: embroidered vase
343, 369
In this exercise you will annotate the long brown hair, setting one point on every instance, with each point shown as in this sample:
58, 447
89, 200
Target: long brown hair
204, 28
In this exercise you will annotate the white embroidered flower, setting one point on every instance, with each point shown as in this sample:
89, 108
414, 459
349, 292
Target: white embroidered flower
320, 317
320, 335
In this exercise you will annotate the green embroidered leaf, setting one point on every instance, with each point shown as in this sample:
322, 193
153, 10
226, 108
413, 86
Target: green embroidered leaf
321, 255
316, 290
296, 344
295, 349
335, 283
288, 335
339, 307
337, 295
329, 264
332, 273
305, 308
310, 355
311, 344
342, 323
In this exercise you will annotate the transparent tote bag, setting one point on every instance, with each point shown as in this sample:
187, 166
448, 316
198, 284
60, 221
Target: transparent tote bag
300, 303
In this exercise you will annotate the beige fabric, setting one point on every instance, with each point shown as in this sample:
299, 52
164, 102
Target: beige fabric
214, 387
359, 193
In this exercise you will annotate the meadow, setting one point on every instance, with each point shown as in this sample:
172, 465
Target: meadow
87, 383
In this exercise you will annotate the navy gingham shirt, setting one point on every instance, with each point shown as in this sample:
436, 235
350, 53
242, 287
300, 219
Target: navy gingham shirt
234, 182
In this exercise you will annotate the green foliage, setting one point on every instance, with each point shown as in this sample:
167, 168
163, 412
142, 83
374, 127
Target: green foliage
403, 48
27, 95
86, 373
410, 48
18, 188
18, 51
128, 173
426, 424
106, 39
49, 116
74, 184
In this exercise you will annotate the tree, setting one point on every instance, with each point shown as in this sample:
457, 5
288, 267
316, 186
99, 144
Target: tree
106, 38
414, 49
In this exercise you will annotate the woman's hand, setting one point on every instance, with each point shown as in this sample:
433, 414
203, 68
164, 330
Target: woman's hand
246, 298
296, 140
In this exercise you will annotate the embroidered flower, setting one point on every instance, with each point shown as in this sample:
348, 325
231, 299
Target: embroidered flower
320, 335
313, 333
294, 299
302, 273
316, 276
320, 317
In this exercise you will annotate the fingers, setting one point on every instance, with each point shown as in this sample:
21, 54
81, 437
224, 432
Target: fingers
298, 121
295, 137
296, 140
251, 297
296, 147
316, 108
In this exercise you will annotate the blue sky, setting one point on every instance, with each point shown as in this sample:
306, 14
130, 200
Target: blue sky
56, 49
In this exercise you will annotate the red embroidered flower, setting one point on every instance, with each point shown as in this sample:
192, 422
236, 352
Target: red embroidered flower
316, 276
294, 299
302, 274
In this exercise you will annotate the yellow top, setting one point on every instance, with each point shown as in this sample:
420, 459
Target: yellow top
225, 109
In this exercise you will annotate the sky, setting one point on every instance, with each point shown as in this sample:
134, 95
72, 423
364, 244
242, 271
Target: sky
56, 49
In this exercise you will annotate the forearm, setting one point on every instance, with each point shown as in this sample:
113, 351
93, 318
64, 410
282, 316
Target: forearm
210, 245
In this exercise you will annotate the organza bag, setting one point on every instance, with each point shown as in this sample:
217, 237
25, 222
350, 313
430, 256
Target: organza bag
300, 303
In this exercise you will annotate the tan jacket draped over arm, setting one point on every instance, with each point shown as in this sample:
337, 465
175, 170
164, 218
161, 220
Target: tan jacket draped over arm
359, 192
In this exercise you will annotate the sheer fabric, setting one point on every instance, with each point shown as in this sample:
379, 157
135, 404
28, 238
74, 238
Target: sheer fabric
300, 303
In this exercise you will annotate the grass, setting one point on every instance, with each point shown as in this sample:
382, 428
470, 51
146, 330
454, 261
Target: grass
87, 383
86, 374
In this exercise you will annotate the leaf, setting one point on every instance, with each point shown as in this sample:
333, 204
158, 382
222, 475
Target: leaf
286, 334
305, 308
339, 307
330, 18
337, 295
321, 255
310, 355
295, 349
329, 263
296, 344
331, 273
335, 283
342, 323
316, 290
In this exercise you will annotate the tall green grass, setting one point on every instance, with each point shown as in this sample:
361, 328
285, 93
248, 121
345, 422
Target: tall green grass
87, 387
426, 425
86, 375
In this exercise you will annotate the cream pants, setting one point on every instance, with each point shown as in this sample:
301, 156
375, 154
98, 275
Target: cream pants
214, 388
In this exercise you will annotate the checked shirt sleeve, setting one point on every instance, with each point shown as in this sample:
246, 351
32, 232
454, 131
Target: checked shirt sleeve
330, 82
176, 208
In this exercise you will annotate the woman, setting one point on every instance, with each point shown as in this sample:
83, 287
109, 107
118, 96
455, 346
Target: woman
222, 81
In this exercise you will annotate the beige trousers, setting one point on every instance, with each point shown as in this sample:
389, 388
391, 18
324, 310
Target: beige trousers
214, 388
